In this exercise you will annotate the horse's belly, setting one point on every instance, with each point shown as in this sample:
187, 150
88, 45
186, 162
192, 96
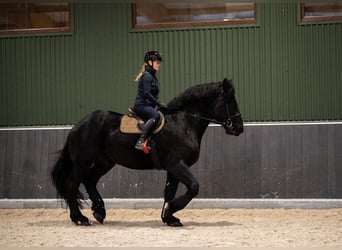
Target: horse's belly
134, 163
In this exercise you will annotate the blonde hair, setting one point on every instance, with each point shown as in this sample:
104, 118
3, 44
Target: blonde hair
142, 70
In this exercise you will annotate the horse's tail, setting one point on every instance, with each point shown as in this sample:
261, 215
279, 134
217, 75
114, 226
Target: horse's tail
61, 175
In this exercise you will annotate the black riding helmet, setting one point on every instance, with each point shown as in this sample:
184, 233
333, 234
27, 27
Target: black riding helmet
153, 56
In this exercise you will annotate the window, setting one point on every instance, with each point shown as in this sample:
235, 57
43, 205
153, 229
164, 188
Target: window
321, 11
156, 15
21, 18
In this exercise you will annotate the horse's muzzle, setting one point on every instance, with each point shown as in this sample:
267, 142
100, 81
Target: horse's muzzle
233, 128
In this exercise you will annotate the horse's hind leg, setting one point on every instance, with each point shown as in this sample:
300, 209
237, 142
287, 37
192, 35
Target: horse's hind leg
74, 204
96, 172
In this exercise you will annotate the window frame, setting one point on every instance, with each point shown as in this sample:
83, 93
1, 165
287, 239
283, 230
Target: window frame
316, 19
42, 31
192, 24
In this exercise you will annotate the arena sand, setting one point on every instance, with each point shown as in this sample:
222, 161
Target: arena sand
202, 228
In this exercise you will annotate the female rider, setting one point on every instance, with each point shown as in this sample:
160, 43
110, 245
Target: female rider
147, 97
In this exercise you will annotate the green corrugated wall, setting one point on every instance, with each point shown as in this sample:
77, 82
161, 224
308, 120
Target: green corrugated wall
282, 70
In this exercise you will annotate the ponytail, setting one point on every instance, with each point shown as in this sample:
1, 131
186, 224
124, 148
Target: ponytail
137, 78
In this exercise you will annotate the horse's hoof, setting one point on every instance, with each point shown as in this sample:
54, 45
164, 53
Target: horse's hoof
172, 221
98, 217
85, 223
99, 212
174, 224
82, 223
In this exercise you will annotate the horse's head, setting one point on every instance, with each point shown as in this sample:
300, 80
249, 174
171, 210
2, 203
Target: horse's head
226, 109
210, 102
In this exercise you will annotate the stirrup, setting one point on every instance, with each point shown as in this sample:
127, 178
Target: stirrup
143, 146
139, 145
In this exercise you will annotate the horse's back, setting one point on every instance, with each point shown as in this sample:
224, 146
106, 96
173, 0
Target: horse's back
89, 134
98, 120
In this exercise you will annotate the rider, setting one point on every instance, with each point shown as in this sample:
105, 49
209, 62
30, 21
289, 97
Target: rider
147, 96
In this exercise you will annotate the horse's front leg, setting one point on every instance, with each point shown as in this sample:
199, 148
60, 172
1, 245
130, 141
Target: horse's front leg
169, 194
181, 173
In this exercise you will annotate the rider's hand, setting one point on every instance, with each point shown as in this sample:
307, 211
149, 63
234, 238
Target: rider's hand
163, 107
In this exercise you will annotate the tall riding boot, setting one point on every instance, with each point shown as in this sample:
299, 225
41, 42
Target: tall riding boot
148, 127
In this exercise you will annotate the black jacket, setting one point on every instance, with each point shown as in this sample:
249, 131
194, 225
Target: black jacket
148, 88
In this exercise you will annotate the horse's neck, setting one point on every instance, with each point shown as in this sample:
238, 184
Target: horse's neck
195, 113
201, 128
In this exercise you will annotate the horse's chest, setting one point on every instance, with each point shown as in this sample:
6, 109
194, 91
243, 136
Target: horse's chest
190, 149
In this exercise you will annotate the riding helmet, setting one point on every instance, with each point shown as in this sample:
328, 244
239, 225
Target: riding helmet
153, 56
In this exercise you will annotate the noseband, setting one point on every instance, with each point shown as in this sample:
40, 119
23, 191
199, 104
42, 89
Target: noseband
228, 122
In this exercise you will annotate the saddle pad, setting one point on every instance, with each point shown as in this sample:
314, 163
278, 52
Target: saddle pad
129, 125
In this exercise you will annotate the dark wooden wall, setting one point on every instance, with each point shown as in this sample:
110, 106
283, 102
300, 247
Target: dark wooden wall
296, 161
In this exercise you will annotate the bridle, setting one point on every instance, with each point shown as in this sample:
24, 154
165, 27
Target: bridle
226, 123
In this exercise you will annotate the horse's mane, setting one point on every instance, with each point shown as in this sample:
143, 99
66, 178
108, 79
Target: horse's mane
199, 91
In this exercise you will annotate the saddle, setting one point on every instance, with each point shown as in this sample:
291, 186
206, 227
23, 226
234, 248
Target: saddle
132, 124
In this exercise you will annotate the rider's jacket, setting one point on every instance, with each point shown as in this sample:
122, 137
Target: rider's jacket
148, 88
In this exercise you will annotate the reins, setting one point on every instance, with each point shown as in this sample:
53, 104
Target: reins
197, 116
227, 122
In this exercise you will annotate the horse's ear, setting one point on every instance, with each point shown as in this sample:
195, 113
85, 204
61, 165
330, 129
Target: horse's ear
226, 85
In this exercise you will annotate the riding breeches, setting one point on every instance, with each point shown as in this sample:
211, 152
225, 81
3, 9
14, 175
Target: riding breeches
146, 113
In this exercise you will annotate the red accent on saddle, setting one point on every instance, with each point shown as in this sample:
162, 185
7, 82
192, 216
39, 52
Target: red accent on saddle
146, 148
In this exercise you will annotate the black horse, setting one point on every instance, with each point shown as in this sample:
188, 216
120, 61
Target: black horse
95, 145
